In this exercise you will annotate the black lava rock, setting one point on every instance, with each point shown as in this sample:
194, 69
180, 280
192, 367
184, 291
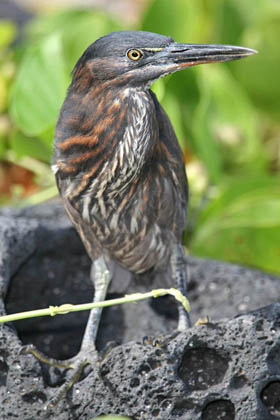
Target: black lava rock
226, 369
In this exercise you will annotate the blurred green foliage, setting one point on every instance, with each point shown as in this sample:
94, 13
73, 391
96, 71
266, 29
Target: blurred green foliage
226, 116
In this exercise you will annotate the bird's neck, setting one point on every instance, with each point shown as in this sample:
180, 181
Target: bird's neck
110, 140
135, 141
138, 135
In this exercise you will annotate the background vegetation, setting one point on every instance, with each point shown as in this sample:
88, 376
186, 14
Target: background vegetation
226, 116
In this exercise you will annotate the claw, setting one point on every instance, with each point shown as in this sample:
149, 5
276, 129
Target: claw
72, 380
60, 364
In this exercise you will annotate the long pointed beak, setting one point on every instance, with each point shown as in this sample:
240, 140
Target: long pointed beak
186, 55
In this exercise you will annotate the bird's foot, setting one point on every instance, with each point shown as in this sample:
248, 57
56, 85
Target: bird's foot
202, 321
60, 364
78, 363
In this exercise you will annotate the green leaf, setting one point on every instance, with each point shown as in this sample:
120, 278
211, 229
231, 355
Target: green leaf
40, 87
26, 146
3, 93
260, 76
2, 146
231, 107
184, 21
205, 145
7, 32
77, 28
172, 108
39, 197
242, 224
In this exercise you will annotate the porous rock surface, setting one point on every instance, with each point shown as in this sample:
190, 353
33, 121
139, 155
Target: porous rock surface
226, 369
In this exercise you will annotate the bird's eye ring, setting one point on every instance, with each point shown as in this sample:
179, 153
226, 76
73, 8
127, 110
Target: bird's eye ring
134, 54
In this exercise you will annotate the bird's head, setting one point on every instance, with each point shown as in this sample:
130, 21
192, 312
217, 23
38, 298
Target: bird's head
138, 58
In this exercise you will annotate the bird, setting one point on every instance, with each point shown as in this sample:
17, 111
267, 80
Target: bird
118, 164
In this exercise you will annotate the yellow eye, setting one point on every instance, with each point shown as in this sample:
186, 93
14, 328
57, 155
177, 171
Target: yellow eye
134, 54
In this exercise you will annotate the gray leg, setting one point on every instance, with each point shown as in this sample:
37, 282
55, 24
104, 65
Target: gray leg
178, 265
101, 277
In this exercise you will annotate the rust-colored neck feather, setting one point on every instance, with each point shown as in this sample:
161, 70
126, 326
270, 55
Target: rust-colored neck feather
103, 140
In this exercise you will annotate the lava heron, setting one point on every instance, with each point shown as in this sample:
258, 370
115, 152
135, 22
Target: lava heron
117, 162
